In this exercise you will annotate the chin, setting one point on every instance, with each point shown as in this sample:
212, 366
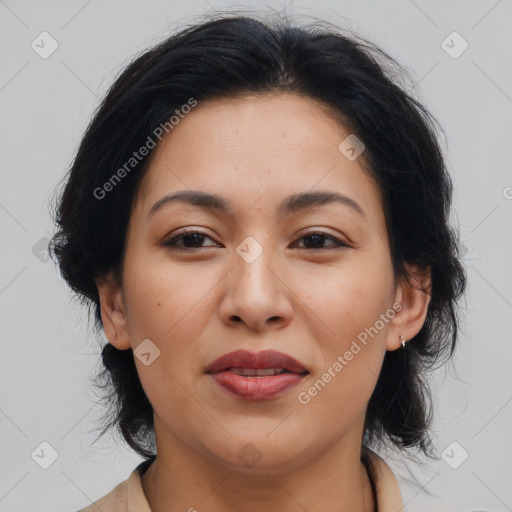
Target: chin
261, 455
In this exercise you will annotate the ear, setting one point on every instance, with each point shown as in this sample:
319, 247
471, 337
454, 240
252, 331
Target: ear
414, 296
113, 312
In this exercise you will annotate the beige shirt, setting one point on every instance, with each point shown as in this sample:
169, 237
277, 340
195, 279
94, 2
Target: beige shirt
128, 496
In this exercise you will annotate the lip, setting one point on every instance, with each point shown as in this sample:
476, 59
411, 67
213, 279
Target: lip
252, 387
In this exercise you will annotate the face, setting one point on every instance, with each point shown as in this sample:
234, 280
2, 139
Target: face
313, 281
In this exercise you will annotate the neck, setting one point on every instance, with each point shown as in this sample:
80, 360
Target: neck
182, 478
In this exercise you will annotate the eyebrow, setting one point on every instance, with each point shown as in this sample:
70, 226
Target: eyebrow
290, 204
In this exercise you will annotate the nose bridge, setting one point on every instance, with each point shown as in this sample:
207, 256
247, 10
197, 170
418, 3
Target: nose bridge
252, 266
256, 294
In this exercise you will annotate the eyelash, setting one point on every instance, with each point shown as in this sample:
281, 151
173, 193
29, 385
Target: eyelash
171, 243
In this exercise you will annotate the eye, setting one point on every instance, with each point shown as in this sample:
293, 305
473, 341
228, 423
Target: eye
317, 238
190, 239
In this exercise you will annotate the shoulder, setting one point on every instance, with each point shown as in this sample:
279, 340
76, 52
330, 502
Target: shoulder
128, 496
114, 501
389, 497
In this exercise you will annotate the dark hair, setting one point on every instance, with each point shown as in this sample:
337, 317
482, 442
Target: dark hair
236, 55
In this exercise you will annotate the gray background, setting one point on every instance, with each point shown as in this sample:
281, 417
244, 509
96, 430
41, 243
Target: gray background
48, 350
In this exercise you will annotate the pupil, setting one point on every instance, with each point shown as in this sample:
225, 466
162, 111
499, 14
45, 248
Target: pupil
318, 238
197, 236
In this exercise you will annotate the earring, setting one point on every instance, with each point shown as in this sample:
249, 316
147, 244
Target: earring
115, 336
402, 339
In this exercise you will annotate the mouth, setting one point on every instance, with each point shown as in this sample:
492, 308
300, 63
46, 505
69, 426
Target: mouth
256, 376
259, 364
261, 372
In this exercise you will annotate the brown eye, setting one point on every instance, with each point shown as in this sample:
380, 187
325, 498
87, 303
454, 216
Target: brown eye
187, 240
317, 239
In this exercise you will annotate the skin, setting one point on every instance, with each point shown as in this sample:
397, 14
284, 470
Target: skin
309, 301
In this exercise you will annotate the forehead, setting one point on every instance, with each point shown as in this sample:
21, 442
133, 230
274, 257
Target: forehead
256, 150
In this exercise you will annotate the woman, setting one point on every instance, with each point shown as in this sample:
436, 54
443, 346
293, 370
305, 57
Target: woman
258, 215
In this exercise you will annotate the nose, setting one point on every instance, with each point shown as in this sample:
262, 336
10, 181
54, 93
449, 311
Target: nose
257, 294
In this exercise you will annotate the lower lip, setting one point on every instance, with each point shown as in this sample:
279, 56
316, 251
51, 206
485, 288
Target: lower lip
256, 388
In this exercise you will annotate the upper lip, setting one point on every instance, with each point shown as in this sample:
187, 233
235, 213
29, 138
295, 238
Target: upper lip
257, 360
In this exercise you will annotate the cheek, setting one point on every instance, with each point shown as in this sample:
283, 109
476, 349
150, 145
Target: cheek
160, 296
350, 303
164, 305
349, 298
353, 349
171, 306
